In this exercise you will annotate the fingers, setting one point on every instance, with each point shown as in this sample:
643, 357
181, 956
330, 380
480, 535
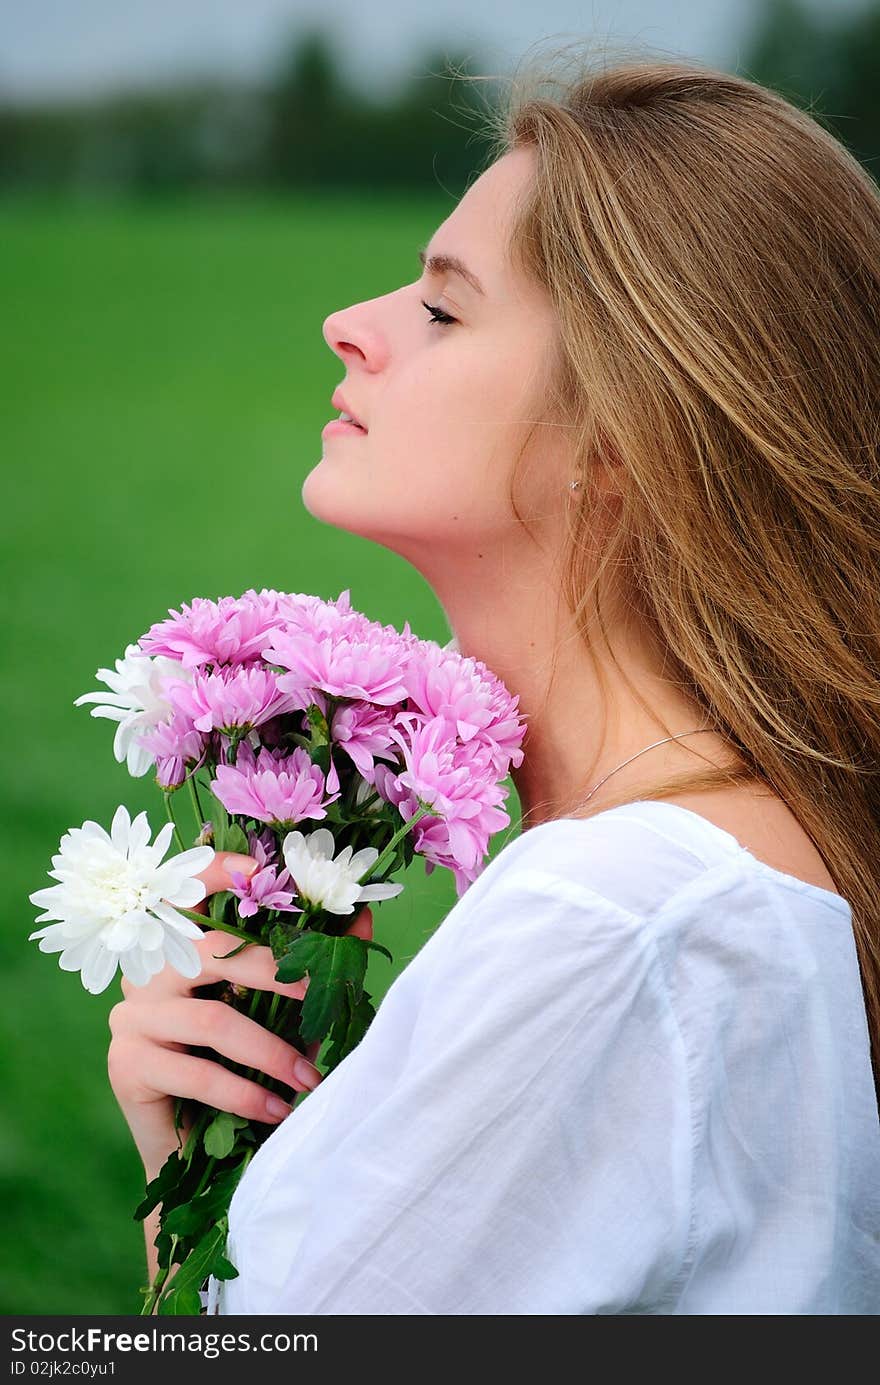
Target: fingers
184, 1075
155, 1025
254, 967
215, 1025
363, 924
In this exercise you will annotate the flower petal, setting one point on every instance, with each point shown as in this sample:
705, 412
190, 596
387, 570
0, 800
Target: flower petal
138, 759
183, 955
99, 970
188, 928
51, 898
120, 828
116, 700
187, 893
162, 842
380, 891
140, 834
77, 954
52, 939
195, 860
362, 861
134, 967
321, 842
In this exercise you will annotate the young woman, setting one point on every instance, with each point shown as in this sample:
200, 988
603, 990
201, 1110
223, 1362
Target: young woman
625, 424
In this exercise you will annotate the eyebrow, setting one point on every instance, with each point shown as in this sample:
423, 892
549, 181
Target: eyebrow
450, 264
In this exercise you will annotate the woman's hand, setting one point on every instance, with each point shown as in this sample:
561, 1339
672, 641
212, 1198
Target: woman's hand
154, 1026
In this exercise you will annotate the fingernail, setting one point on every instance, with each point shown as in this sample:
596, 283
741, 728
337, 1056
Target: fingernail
277, 1108
245, 864
305, 1073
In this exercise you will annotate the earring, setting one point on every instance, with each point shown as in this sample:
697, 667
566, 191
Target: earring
574, 485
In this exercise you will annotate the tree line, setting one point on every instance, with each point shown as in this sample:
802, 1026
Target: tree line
304, 126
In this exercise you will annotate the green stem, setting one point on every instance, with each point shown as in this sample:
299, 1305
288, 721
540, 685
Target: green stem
197, 807
379, 865
166, 794
156, 1288
206, 1173
256, 996
218, 925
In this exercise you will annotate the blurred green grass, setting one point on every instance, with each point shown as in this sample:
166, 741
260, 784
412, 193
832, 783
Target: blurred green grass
165, 384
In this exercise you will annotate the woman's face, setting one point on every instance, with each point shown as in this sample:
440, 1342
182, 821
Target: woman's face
446, 407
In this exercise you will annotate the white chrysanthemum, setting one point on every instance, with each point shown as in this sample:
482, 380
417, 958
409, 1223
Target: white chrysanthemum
114, 900
332, 884
136, 701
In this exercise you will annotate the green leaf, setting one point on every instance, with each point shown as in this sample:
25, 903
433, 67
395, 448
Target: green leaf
220, 1134
319, 746
294, 738
332, 964
197, 1266
320, 756
236, 950
318, 725
218, 903
194, 1216
368, 942
181, 1302
224, 1269
236, 840
217, 814
192, 1143
350, 1028
281, 935
170, 1177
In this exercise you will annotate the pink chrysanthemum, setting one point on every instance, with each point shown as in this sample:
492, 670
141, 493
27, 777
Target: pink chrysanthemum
232, 630
443, 683
363, 732
174, 744
263, 847
312, 615
458, 781
356, 664
281, 790
234, 699
265, 889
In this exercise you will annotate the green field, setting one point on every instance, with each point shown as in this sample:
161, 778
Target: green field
164, 377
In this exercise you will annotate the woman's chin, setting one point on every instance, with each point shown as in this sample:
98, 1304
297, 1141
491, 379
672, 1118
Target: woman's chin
332, 499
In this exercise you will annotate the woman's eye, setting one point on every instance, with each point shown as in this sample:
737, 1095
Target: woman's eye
437, 314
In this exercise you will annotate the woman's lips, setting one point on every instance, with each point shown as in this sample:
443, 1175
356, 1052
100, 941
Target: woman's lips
341, 426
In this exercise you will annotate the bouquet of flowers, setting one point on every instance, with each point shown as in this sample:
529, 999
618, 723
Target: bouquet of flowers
273, 711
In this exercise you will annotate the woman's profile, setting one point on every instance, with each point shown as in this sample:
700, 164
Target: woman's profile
624, 424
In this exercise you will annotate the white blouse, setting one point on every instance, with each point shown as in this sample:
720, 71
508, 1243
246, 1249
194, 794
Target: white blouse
628, 1073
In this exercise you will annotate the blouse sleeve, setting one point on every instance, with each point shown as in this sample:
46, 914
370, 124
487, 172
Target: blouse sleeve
535, 1154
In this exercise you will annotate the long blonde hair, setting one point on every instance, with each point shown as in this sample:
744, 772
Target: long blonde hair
713, 255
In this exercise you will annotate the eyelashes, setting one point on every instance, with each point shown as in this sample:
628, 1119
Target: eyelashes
437, 314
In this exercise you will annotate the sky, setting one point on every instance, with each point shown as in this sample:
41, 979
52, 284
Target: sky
56, 48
